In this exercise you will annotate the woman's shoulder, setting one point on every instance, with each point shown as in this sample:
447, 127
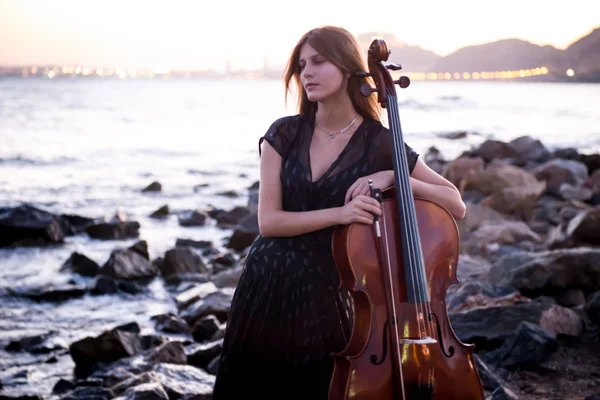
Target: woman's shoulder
288, 121
283, 131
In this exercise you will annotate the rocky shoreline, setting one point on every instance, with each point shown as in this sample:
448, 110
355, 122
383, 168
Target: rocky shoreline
529, 296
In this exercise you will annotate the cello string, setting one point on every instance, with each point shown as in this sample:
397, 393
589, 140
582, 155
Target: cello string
395, 314
416, 256
402, 194
417, 261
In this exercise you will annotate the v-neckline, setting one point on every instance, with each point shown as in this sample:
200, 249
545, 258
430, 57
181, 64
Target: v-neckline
337, 159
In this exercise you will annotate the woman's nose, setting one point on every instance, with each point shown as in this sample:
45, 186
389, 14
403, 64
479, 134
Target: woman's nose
307, 71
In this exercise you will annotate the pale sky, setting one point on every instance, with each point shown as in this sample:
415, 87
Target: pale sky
199, 34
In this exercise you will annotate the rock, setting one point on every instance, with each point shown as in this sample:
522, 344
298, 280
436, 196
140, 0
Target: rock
477, 215
584, 227
570, 192
549, 272
126, 264
104, 285
136, 380
205, 328
141, 248
80, 264
592, 308
52, 293
495, 149
559, 171
571, 298
489, 380
197, 244
153, 187
200, 355
434, 160
38, 344
478, 294
229, 193
515, 200
62, 386
489, 327
231, 218
228, 277
244, 234
29, 226
74, 224
499, 232
109, 346
88, 392
171, 324
458, 170
189, 296
161, 213
192, 218
531, 149
530, 346
146, 391
503, 393
217, 303
114, 230
225, 259
181, 260
184, 381
591, 161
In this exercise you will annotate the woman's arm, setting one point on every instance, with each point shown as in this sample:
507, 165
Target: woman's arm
274, 222
425, 183
429, 185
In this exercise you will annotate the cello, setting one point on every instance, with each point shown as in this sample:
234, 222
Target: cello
398, 271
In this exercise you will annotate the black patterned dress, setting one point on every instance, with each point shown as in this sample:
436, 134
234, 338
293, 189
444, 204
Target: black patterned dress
288, 314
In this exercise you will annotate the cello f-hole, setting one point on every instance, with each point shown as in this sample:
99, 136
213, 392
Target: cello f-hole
384, 341
450, 352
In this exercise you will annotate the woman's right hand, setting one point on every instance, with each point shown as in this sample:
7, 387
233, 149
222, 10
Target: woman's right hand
360, 209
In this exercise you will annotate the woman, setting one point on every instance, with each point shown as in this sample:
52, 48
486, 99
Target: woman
288, 314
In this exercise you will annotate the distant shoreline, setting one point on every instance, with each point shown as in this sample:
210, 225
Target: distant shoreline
249, 76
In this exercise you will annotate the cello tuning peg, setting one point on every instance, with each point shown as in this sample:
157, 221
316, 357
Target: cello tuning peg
394, 67
362, 74
366, 90
403, 82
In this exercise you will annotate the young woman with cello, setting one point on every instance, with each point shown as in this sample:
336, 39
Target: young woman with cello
289, 314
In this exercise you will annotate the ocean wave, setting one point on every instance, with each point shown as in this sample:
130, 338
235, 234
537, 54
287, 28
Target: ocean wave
21, 161
441, 103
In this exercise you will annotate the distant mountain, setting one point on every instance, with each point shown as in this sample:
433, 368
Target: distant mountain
584, 54
412, 58
506, 54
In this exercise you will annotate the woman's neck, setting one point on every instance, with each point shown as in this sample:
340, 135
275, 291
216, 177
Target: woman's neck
335, 114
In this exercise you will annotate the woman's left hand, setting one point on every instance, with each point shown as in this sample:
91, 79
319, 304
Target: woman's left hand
381, 180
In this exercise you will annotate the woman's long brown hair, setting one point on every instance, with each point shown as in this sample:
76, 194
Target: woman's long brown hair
339, 47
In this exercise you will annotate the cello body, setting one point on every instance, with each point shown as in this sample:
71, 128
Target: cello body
442, 368
428, 369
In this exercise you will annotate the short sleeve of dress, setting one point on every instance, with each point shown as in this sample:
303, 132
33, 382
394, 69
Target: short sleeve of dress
384, 146
279, 135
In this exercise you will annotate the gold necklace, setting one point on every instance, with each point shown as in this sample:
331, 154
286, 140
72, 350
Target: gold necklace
335, 133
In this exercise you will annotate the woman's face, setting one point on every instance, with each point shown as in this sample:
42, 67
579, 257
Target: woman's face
320, 78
